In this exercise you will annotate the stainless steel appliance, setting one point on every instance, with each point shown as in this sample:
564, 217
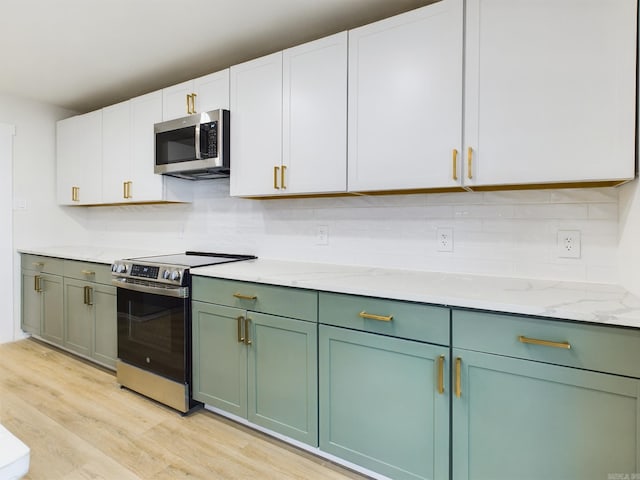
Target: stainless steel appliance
194, 147
154, 324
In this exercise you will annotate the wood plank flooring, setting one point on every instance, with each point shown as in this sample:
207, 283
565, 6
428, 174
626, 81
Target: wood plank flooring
80, 425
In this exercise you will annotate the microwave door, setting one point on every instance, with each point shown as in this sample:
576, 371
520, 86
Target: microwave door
198, 154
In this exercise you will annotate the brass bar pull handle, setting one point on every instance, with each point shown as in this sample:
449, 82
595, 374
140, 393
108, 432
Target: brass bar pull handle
371, 316
193, 103
240, 336
87, 272
38, 264
84, 300
544, 343
441, 374
458, 377
454, 161
469, 163
282, 172
36, 284
89, 295
75, 194
275, 178
124, 189
247, 331
189, 103
245, 297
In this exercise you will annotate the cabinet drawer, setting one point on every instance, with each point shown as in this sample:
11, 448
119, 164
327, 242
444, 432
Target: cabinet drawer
42, 264
592, 347
91, 272
408, 320
257, 297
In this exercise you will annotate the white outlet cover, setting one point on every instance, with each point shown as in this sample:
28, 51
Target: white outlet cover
322, 235
444, 239
569, 244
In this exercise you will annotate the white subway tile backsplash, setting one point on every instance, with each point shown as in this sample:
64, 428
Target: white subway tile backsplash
510, 233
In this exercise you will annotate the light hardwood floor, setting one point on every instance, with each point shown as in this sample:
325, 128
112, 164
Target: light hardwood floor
80, 425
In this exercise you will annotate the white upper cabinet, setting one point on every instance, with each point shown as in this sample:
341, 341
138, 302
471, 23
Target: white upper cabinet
256, 126
314, 134
550, 91
405, 100
116, 151
195, 96
289, 121
79, 158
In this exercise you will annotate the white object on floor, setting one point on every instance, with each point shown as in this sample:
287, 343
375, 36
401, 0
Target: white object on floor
14, 456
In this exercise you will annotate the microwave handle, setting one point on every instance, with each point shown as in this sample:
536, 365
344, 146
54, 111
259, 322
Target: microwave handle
198, 154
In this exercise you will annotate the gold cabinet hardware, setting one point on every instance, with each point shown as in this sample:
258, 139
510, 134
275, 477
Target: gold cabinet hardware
36, 283
371, 316
38, 264
188, 103
282, 172
245, 297
247, 331
75, 194
193, 103
469, 163
126, 189
458, 377
275, 178
454, 161
87, 272
88, 295
441, 374
544, 343
240, 320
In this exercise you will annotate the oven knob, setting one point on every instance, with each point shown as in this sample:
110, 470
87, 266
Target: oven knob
148, 360
114, 267
122, 268
166, 274
175, 275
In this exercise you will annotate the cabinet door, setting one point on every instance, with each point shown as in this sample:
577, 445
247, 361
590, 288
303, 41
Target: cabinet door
175, 103
212, 91
79, 159
116, 151
31, 303
52, 309
145, 185
314, 146
256, 132
405, 100
550, 91
79, 317
283, 376
380, 405
105, 333
528, 420
219, 358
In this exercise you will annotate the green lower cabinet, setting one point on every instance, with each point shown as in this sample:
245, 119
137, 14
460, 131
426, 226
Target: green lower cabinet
105, 328
523, 420
380, 405
42, 306
268, 377
79, 315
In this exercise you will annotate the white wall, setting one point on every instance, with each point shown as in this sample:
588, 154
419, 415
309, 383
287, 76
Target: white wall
42, 222
495, 233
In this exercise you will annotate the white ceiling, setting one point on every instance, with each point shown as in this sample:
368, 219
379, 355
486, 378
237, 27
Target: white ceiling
86, 54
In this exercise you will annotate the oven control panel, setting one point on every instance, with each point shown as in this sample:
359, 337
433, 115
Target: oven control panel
155, 273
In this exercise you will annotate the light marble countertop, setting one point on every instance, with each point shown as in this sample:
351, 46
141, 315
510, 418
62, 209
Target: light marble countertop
588, 302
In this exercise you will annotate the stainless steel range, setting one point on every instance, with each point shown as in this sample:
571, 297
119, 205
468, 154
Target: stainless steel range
154, 324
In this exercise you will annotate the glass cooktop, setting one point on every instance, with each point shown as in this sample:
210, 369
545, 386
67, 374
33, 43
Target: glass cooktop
194, 259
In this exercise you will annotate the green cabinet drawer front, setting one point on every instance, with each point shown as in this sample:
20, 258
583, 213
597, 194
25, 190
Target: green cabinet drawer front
105, 333
414, 321
283, 376
78, 318
42, 264
282, 301
219, 359
593, 347
380, 406
88, 271
52, 318
524, 420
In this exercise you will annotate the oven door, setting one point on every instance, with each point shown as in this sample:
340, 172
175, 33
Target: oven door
153, 330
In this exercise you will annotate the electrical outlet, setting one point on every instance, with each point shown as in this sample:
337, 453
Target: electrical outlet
568, 243
444, 239
322, 235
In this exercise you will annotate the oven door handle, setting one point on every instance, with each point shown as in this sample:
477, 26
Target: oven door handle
169, 291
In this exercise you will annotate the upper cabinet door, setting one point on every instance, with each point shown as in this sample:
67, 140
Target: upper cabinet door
79, 159
256, 126
314, 146
405, 100
116, 151
210, 92
550, 91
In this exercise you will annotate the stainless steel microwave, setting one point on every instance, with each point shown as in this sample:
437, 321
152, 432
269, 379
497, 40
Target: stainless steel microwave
194, 147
